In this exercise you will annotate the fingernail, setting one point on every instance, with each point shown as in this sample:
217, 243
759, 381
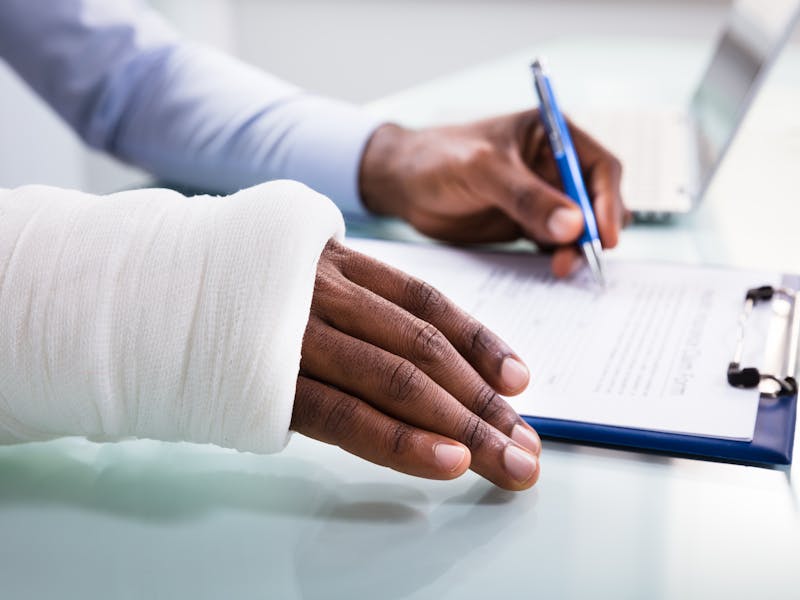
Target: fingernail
449, 456
514, 374
526, 438
521, 465
564, 223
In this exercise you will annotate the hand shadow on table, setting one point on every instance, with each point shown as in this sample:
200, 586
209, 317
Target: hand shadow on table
178, 482
393, 560
401, 536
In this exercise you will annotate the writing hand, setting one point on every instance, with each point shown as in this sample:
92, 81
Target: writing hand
489, 181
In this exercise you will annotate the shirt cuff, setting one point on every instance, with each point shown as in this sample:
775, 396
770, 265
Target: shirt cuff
327, 145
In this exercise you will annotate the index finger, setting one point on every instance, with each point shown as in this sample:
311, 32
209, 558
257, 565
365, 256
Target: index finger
490, 356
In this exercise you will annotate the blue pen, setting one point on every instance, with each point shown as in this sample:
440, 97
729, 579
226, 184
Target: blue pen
569, 168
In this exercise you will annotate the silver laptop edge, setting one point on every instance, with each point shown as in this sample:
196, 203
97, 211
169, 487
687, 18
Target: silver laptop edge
738, 41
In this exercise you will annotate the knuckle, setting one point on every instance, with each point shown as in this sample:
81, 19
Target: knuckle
488, 405
483, 344
475, 433
400, 439
479, 338
524, 199
405, 383
425, 300
341, 417
429, 343
479, 154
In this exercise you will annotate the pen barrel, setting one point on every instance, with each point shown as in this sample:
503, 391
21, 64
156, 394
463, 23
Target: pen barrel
576, 190
564, 152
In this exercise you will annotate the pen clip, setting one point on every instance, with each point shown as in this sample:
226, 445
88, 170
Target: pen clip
547, 107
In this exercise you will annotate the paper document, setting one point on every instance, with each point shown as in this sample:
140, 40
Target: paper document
648, 352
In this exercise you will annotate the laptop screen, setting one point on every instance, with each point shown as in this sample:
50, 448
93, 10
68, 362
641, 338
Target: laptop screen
754, 35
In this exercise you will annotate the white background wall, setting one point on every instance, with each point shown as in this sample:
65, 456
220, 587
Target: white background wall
353, 49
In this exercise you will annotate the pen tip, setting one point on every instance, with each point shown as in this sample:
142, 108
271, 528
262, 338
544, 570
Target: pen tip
593, 253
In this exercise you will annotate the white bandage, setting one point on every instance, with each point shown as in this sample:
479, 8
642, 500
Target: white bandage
149, 314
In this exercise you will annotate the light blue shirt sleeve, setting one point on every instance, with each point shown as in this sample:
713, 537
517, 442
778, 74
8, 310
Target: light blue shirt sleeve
130, 85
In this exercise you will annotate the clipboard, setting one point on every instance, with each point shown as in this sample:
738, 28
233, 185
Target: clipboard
773, 437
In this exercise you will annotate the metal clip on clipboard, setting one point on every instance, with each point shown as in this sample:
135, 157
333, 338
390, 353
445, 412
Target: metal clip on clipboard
783, 382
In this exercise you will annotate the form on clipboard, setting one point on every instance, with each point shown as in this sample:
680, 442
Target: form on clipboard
642, 363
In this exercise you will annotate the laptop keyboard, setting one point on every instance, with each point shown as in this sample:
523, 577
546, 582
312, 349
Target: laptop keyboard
654, 148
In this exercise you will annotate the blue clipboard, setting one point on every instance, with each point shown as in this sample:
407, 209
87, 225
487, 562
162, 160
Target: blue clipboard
771, 445
773, 436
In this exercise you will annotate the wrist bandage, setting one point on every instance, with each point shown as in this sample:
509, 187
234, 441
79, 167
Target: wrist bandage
149, 314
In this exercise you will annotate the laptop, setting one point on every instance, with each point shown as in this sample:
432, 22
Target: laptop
670, 157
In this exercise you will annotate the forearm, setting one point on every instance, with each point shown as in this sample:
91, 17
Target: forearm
128, 84
151, 315
209, 121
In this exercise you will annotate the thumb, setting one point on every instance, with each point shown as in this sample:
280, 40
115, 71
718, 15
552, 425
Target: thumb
544, 213
564, 224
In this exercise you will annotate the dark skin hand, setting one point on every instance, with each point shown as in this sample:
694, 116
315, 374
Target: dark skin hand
395, 373
491, 181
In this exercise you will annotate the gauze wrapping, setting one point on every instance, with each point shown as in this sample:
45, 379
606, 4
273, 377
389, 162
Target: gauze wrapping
149, 314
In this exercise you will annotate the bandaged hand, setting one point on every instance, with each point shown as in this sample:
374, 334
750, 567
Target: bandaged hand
394, 372
147, 314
